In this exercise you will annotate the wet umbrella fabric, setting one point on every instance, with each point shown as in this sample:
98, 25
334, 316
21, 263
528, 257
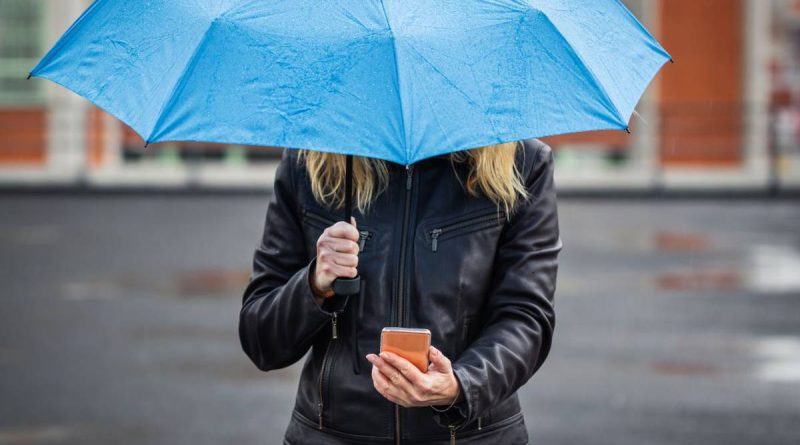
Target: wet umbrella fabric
394, 80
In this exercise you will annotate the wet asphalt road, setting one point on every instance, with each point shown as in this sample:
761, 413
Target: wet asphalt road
678, 322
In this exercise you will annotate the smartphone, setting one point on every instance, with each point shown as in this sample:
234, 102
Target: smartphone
412, 344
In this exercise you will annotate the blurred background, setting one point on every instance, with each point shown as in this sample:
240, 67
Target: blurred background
678, 301
724, 117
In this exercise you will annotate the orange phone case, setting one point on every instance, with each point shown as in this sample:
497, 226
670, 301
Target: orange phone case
412, 344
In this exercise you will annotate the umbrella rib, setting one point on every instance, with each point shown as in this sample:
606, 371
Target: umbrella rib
397, 84
173, 95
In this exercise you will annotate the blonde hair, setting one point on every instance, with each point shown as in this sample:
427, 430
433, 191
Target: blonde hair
492, 171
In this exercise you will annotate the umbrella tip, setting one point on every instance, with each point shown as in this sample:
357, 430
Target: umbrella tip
146, 143
671, 60
29, 76
628, 129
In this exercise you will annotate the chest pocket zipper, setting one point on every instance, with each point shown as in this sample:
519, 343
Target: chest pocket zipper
468, 225
317, 220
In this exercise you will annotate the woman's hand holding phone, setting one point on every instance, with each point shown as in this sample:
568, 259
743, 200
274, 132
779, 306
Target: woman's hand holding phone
401, 382
337, 256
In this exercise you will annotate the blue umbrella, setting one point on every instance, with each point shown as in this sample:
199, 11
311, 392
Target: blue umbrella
396, 80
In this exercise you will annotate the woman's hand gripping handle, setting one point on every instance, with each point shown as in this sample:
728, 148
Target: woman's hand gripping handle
337, 257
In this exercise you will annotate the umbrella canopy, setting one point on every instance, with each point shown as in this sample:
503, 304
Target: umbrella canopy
395, 80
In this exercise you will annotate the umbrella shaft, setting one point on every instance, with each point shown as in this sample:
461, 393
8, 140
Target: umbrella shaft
348, 189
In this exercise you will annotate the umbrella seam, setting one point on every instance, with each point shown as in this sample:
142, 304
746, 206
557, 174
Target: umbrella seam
397, 84
586, 68
180, 82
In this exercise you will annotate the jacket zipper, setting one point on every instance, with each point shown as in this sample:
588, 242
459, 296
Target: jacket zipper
478, 222
453, 431
364, 235
403, 241
401, 277
334, 336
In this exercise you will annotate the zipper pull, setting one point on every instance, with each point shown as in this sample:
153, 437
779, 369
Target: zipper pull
320, 414
452, 435
333, 325
409, 172
479, 423
362, 239
434, 239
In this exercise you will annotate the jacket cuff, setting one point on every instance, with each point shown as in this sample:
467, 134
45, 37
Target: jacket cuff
337, 303
460, 414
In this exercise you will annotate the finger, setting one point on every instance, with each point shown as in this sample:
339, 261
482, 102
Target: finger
382, 384
353, 222
344, 230
340, 245
342, 271
410, 372
420, 387
330, 271
402, 387
328, 257
386, 388
439, 361
385, 367
392, 374
345, 259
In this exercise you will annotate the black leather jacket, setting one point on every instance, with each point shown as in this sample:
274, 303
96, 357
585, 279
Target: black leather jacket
432, 256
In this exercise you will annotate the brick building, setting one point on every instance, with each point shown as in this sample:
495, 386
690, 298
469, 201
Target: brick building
725, 115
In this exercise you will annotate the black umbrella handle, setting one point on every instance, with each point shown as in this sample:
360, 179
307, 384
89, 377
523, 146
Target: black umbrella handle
342, 285
346, 286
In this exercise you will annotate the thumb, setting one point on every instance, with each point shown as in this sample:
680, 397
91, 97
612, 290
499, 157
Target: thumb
439, 361
353, 221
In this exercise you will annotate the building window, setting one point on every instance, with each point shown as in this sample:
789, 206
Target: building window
21, 28
785, 82
636, 7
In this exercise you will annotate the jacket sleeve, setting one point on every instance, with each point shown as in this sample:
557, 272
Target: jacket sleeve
517, 335
280, 314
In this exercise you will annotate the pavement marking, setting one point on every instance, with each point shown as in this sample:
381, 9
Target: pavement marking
774, 269
35, 434
779, 359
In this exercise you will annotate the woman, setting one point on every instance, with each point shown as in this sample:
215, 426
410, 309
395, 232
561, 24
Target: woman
464, 244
